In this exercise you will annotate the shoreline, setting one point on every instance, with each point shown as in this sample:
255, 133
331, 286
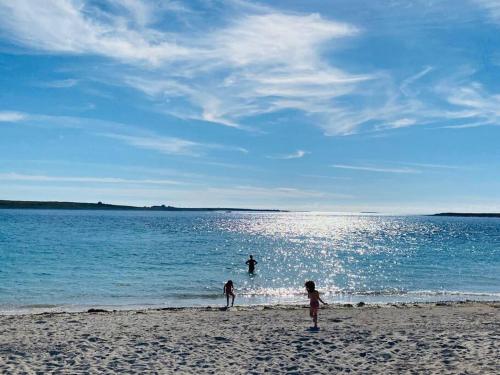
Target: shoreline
107, 309
443, 337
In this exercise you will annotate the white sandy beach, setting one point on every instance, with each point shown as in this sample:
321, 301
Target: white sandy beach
451, 338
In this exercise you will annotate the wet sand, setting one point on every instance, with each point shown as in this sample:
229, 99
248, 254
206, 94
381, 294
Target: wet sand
444, 338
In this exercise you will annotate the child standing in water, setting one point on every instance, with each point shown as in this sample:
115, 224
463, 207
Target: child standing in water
229, 291
314, 299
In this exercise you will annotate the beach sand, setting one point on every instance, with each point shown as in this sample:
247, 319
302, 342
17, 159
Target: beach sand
445, 338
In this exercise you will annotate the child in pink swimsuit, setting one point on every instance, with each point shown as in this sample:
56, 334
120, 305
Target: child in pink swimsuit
314, 299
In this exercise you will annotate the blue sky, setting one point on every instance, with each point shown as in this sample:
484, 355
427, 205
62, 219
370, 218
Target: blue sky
390, 106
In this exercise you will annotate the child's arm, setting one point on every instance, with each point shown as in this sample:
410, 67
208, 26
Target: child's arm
323, 302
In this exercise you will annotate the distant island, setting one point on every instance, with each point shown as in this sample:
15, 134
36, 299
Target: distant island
467, 214
6, 204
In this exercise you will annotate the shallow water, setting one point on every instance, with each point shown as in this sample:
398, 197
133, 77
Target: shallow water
74, 259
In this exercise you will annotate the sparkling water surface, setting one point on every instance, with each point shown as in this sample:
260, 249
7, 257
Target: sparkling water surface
70, 260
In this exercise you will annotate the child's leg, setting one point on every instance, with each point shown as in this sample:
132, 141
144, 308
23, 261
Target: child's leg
232, 301
315, 318
227, 298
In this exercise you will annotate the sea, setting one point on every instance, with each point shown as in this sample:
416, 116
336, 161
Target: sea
72, 260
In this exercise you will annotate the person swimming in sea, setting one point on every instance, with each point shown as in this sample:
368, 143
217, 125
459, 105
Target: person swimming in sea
251, 264
229, 291
314, 300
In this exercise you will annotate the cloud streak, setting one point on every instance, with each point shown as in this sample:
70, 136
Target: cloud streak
492, 7
170, 145
294, 155
277, 192
376, 169
60, 84
128, 134
165, 145
431, 165
11, 116
86, 179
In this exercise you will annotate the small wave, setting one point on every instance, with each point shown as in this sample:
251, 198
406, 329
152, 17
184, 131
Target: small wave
291, 292
39, 306
207, 295
454, 293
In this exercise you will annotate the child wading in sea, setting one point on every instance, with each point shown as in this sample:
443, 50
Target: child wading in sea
229, 291
314, 299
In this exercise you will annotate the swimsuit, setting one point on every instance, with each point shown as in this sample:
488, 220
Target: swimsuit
314, 304
251, 265
228, 290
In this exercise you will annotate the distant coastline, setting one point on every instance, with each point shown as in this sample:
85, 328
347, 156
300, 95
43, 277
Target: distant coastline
467, 214
55, 205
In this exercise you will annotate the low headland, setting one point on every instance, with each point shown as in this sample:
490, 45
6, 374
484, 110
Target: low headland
423, 338
55, 205
58, 205
468, 214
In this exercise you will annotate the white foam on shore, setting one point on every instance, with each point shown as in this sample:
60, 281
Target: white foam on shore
249, 301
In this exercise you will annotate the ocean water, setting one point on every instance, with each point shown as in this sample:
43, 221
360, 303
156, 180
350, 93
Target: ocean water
71, 260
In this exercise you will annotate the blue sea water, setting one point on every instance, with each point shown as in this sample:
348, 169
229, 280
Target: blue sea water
71, 260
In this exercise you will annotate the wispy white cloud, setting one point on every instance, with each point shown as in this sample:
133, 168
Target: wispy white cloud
170, 145
467, 125
82, 28
432, 165
376, 169
492, 7
468, 104
281, 192
294, 155
85, 179
476, 102
129, 134
396, 124
258, 61
277, 39
325, 177
471, 105
405, 86
261, 61
60, 84
258, 64
409, 167
166, 145
11, 116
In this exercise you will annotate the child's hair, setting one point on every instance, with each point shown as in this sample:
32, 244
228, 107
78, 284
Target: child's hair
229, 282
310, 286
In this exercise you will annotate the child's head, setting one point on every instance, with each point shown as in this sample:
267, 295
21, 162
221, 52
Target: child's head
251, 256
230, 282
310, 286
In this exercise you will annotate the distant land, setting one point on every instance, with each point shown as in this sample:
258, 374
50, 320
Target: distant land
467, 214
5, 204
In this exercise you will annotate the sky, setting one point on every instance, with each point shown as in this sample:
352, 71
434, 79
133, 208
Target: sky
341, 105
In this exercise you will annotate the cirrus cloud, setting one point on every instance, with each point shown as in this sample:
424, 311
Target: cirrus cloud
12, 116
